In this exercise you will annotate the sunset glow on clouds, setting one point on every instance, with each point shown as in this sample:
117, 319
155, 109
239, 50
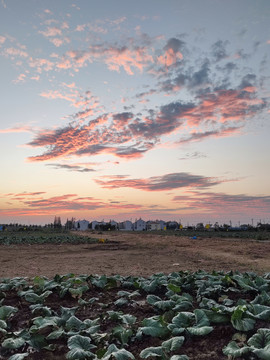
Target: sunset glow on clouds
88, 99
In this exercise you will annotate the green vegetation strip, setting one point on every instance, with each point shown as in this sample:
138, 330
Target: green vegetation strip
44, 237
178, 316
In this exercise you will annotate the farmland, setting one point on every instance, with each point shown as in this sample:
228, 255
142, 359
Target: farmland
126, 253
133, 296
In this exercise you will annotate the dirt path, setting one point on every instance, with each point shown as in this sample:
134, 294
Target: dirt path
135, 254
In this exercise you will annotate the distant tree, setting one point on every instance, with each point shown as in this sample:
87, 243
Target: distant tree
70, 224
57, 222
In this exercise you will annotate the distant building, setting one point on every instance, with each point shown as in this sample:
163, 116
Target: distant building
113, 225
94, 224
139, 225
82, 225
172, 225
125, 225
156, 225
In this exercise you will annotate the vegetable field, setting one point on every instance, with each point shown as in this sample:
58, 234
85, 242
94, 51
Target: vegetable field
178, 313
179, 316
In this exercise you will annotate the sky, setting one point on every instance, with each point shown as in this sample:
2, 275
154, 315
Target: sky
125, 109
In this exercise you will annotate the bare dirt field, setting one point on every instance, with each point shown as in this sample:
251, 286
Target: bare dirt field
135, 254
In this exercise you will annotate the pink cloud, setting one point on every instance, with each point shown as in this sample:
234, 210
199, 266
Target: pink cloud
97, 29
64, 64
223, 106
128, 136
12, 52
86, 101
169, 58
40, 64
64, 25
127, 59
2, 39
84, 114
222, 132
51, 32
57, 42
37, 78
20, 78
16, 129
71, 86
67, 203
56, 94
80, 27
160, 183
69, 140
119, 20
114, 57
225, 204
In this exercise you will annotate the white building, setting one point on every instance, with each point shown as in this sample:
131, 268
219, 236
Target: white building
156, 225
139, 225
126, 225
94, 224
82, 225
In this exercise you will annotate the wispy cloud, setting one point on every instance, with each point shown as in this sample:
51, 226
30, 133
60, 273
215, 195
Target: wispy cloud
130, 135
225, 204
15, 52
17, 129
38, 204
222, 132
51, 32
71, 167
114, 57
2, 39
193, 155
160, 183
20, 78
40, 64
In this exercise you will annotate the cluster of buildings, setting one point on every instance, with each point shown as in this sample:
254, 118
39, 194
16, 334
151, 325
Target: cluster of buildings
150, 225
127, 225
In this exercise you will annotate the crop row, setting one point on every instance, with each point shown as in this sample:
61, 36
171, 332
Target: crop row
177, 316
16, 238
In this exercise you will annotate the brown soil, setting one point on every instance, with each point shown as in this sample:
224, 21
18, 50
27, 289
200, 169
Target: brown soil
135, 254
